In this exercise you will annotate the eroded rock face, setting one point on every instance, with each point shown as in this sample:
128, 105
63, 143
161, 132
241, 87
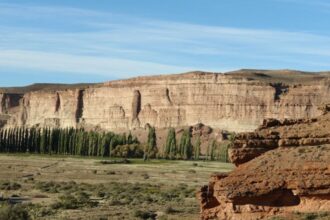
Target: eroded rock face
283, 168
280, 181
280, 133
237, 101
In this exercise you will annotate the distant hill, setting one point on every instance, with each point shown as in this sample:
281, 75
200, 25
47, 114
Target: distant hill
271, 76
45, 87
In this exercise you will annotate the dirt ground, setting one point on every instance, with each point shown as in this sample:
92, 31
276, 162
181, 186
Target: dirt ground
136, 190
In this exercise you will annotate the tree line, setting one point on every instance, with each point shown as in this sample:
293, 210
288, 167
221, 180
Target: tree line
71, 141
68, 141
186, 150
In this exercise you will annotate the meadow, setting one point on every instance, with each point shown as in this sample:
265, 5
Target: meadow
73, 187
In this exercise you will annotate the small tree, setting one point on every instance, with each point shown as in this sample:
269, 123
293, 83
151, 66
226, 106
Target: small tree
197, 148
185, 146
151, 147
213, 149
129, 138
170, 145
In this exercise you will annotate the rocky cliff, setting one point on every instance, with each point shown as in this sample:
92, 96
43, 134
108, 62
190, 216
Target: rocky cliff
236, 101
283, 168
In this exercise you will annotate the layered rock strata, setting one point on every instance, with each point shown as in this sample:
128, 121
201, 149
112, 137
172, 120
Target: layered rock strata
237, 101
283, 168
280, 133
279, 182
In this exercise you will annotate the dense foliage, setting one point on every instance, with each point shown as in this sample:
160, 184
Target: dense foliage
71, 141
185, 149
216, 151
62, 141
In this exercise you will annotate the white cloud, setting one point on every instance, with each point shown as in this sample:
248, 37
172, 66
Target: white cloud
115, 68
92, 42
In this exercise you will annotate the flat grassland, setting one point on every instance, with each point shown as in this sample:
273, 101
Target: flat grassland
53, 187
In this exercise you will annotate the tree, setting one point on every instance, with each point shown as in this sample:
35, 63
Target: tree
213, 148
170, 145
151, 147
185, 147
130, 138
197, 148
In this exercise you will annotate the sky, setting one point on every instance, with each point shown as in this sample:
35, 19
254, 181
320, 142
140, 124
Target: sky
71, 41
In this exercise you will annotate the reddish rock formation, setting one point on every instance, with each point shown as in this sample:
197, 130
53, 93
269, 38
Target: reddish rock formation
280, 133
283, 168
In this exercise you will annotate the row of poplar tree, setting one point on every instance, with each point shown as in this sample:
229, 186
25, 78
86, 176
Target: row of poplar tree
62, 141
71, 141
186, 150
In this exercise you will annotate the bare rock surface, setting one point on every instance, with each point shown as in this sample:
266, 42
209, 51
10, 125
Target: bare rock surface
280, 181
280, 133
236, 101
284, 167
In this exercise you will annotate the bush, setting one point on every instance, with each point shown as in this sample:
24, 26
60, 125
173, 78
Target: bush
145, 214
145, 176
14, 212
170, 210
74, 202
66, 202
128, 151
111, 173
10, 186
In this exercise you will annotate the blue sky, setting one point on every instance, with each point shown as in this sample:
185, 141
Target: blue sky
70, 41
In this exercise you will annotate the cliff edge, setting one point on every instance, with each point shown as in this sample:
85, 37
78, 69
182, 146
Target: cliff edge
235, 101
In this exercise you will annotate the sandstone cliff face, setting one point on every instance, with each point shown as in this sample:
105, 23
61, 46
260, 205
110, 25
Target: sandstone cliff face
283, 168
237, 101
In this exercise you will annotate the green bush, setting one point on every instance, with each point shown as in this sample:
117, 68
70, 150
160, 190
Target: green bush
145, 214
73, 202
128, 151
9, 186
14, 212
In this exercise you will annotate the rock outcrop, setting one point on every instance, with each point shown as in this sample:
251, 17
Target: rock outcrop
275, 133
283, 167
237, 101
278, 182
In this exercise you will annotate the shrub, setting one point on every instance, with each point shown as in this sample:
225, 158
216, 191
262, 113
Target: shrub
170, 210
111, 173
145, 176
10, 186
14, 212
301, 150
145, 214
128, 151
66, 202
73, 202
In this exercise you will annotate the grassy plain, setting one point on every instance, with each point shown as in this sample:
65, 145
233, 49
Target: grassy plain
54, 187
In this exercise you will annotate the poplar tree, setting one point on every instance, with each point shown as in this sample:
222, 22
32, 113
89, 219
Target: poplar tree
185, 145
151, 148
197, 148
213, 148
170, 145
